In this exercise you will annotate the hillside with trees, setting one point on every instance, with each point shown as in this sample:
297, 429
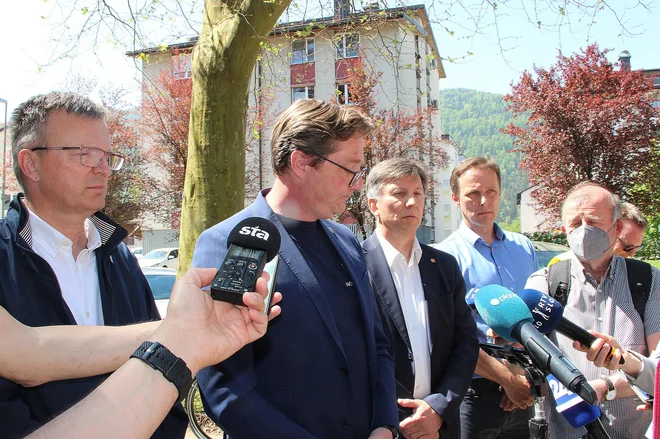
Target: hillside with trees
474, 119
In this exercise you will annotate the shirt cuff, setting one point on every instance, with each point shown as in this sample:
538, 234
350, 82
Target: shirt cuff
631, 379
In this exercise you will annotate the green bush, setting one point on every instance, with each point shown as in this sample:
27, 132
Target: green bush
555, 237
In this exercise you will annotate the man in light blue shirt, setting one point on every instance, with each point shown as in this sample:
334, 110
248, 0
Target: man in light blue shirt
498, 402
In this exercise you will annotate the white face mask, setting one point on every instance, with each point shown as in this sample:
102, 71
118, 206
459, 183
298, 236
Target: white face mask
589, 243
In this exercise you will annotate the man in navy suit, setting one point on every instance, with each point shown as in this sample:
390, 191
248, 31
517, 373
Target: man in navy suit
421, 294
324, 369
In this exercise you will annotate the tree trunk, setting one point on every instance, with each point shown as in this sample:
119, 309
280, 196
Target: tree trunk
223, 59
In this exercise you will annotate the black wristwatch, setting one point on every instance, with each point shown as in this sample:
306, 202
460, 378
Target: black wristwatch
394, 430
173, 368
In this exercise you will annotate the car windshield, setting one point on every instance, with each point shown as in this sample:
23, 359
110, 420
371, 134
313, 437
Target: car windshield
161, 285
156, 254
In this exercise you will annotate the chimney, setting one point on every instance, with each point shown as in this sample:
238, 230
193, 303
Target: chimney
342, 9
624, 60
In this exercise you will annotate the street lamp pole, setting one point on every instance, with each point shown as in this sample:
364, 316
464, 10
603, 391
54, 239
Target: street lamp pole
4, 162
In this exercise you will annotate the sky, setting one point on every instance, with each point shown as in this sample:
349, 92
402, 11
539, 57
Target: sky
29, 45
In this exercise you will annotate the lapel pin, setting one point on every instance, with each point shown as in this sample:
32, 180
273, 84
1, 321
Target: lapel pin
330, 229
433, 260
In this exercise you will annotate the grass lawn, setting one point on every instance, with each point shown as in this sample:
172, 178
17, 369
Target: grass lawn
655, 263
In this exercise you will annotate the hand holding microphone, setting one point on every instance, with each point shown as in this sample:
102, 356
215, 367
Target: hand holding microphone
548, 317
508, 315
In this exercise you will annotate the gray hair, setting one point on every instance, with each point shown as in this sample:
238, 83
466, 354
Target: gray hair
391, 170
29, 119
630, 212
575, 194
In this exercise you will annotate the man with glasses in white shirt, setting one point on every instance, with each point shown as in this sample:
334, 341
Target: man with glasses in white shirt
421, 296
62, 262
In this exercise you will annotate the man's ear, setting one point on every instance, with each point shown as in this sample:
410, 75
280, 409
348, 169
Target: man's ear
373, 206
28, 162
455, 199
618, 227
300, 163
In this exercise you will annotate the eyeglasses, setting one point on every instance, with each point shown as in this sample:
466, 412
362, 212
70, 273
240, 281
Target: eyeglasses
629, 247
90, 156
356, 175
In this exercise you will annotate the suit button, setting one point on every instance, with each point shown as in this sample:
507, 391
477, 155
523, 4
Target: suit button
348, 424
343, 371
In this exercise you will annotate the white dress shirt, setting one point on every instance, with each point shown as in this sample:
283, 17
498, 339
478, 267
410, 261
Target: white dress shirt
410, 290
78, 279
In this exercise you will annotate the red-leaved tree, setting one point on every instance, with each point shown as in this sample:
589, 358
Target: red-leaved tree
398, 133
128, 190
165, 120
588, 120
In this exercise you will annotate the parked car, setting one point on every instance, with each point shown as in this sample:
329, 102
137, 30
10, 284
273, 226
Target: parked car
545, 251
137, 251
161, 257
161, 281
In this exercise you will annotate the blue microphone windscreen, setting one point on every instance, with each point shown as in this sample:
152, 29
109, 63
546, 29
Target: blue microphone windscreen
546, 311
581, 414
501, 309
575, 410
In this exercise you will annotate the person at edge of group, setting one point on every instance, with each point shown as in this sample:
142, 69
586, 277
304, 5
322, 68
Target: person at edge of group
133, 401
638, 370
421, 296
62, 262
629, 241
599, 299
498, 403
324, 369
634, 226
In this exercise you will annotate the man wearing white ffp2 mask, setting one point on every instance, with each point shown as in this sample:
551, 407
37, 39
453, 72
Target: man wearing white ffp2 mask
598, 297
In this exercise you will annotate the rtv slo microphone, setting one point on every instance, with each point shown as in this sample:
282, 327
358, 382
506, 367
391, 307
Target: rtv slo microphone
253, 242
548, 317
509, 317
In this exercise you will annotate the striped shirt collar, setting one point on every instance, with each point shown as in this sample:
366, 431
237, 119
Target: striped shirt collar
103, 224
52, 240
584, 276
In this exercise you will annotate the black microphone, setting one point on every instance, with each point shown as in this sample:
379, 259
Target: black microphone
253, 242
548, 315
508, 315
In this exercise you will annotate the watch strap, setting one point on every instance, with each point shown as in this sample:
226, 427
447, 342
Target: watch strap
394, 430
173, 368
611, 390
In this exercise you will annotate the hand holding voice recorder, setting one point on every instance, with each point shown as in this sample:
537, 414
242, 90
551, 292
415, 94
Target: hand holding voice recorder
252, 243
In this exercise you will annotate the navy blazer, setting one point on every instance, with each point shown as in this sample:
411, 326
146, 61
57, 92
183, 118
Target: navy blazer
454, 343
294, 382
30, 292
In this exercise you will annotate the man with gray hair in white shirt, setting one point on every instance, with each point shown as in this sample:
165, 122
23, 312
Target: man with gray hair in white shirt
421, 296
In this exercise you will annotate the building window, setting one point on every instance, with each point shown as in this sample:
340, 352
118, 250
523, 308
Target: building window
348, 46
344, 94
182, 66
302, 51
302, 93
